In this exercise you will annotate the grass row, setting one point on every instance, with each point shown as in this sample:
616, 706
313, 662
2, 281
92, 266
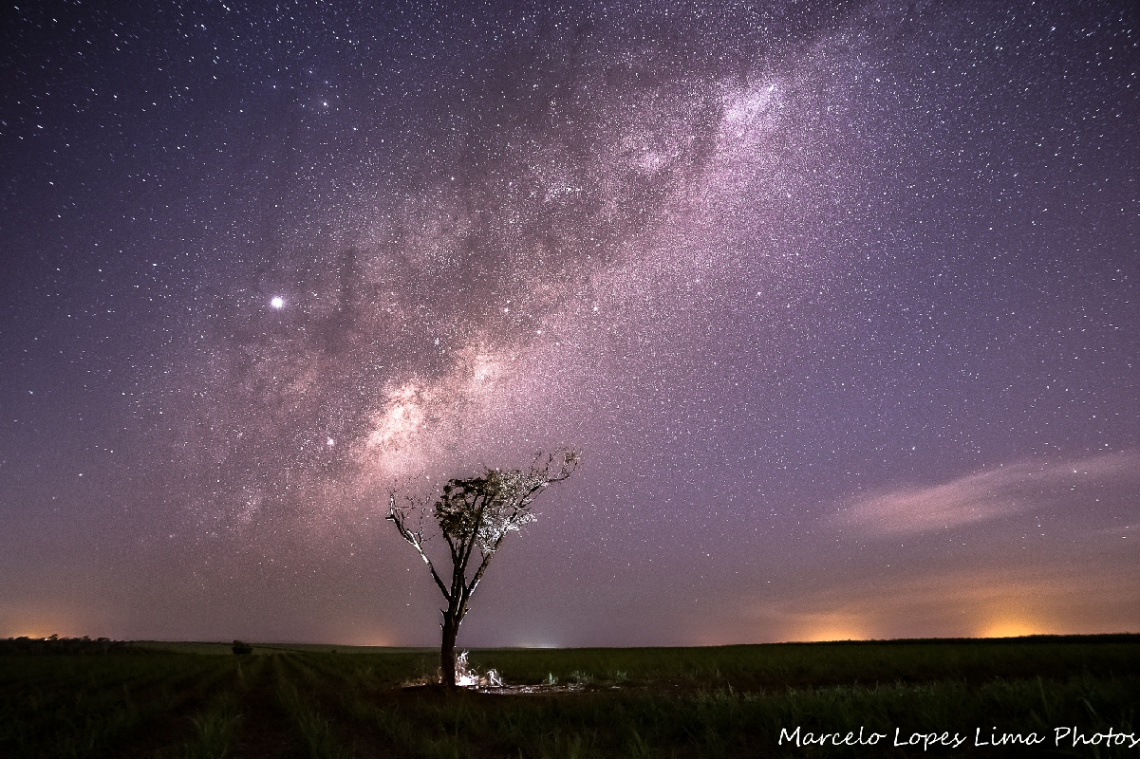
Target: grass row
720, 723
719, 702
81, 707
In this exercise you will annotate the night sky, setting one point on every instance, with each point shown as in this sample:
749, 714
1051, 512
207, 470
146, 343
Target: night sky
839, 301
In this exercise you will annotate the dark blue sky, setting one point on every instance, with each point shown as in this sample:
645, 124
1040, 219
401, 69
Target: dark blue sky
840, 305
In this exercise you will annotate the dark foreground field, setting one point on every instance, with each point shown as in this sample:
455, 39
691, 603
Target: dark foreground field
992, 698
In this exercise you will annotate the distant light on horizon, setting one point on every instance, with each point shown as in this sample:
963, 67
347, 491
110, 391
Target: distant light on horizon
831, 635
1012, 628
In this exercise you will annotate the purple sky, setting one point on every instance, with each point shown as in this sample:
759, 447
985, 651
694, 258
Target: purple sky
840, 306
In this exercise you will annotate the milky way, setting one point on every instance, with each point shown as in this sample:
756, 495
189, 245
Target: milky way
838, 303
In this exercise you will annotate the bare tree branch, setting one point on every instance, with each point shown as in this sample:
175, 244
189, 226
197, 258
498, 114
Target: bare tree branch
414, 538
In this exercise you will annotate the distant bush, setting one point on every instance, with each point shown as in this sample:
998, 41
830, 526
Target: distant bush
240, 648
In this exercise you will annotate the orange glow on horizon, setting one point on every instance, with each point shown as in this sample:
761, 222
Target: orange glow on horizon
821, 628
1011, 628
44, 626
830, 635
371, 639
39, 633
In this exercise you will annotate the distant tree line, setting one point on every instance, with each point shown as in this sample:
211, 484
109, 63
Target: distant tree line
56, 645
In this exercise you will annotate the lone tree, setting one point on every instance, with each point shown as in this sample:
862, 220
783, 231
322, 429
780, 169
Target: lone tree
474, 515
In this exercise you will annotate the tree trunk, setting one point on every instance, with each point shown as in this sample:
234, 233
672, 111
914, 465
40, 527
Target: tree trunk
447, 651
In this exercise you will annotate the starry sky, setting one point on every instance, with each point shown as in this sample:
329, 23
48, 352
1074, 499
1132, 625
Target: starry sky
839, 301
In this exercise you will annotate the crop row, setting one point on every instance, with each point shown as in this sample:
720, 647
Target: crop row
723, 702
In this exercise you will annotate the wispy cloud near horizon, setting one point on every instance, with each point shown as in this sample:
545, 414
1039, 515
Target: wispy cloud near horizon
988, 495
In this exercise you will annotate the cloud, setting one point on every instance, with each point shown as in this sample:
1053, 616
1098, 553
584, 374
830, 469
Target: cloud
988, 495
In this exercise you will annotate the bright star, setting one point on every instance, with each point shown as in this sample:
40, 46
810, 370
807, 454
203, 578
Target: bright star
277, 302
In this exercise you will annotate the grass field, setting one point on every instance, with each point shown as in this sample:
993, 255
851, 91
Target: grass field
199, 700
